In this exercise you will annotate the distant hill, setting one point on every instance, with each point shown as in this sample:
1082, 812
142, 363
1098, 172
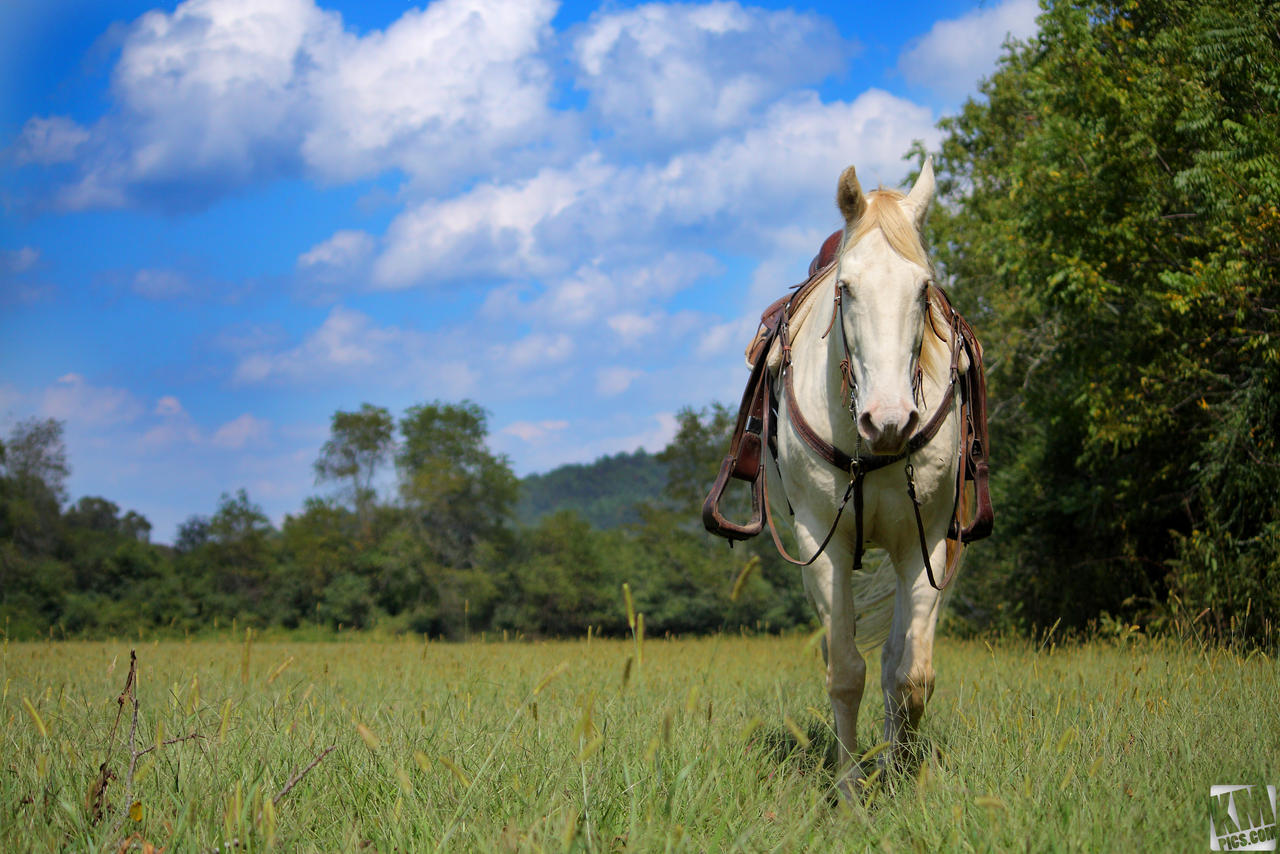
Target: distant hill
604, 492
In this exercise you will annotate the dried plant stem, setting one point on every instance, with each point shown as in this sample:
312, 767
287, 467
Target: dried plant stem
296, 778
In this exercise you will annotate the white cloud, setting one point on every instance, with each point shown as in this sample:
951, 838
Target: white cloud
613, 381
342, 251
218, 94
347, 343
665, 72
46, 141
534, 431
74, 400
490, 230
241, 431
434, 93
169, 406
781, 169
175, 427
533, 351
14, 262
631, 327
955, 54
160, 284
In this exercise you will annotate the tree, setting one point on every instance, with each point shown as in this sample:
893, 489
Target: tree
460, 493
241, 550
693, 457
1109, 222
359, 442
33, 473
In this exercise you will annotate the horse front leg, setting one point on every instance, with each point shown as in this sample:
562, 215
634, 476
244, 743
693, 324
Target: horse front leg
828, 582
907, 674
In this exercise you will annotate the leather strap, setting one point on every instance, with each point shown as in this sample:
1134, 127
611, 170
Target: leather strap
755, 426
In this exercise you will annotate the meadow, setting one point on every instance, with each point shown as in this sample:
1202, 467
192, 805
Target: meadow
713, 744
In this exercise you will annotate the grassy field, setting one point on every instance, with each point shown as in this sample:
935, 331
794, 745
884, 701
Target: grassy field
715, 744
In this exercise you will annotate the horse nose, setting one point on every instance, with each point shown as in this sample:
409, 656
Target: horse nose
887, 429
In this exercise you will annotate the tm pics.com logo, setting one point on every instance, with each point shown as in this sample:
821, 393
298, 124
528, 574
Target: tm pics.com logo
1242, 818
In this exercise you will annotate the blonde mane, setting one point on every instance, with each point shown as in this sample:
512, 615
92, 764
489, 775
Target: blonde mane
884, 212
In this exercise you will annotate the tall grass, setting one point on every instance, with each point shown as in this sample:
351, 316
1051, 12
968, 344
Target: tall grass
717, 744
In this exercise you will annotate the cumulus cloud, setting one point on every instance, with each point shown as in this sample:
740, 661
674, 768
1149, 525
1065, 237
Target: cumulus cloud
782, 168
344, 250
534, 431
614, 380
955, 54
46, 141
532, 351
241, 431
14, 262
491, 230
74, 399
169, 406
433, 93
176, 427
347, 343
220, 94
666, 73
160, 284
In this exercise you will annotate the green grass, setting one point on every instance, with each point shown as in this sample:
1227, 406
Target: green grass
542, 747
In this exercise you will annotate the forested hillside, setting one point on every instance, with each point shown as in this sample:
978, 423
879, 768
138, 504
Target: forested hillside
444, 557
1109, 221
605, 493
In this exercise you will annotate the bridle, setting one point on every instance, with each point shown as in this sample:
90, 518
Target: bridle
756, 427
858, 464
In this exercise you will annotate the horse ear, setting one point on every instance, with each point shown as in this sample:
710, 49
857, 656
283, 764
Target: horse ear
849, 197
922, 193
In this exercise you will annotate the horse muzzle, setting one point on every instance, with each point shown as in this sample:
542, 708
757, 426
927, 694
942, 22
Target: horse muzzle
886, 429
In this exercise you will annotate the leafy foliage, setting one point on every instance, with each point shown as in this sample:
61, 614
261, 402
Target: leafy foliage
358, 444
1110, 221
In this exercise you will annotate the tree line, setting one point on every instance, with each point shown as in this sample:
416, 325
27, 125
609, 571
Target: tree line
1109, 220
442, 556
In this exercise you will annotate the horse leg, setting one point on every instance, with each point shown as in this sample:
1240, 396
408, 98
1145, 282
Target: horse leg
907, 664
829, 585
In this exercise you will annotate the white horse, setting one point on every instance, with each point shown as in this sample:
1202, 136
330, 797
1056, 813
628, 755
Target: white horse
882, 371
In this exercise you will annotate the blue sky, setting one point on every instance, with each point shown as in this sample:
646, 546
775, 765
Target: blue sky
223, 220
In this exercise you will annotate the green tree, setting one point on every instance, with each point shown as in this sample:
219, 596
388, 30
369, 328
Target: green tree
33, 473
1109, 223
241, 553
359, 442
459, 493
694, 454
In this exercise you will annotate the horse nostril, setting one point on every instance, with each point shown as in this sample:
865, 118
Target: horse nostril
913, 418
867, 427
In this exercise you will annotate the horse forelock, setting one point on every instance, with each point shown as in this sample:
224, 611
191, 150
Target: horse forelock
884, 212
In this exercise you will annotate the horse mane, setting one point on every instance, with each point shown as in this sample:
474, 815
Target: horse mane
884, 212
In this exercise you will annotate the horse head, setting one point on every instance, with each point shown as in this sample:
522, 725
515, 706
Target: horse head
882, 281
